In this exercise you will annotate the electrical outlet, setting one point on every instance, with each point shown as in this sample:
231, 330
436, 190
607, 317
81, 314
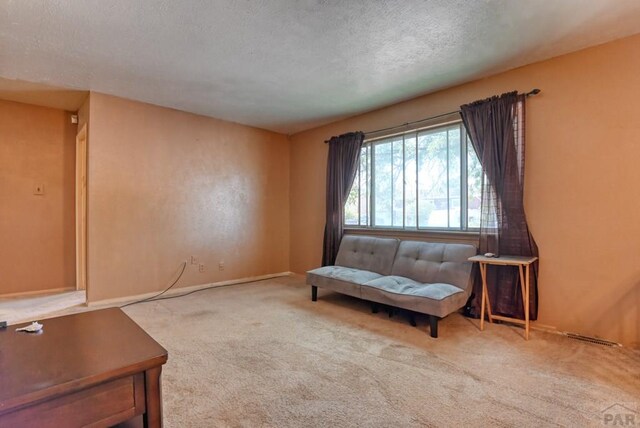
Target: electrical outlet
221, 265
194, 260
201, 267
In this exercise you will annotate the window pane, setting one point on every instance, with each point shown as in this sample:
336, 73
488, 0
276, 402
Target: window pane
351, 206
383, 180
415, 181
432, 179
454, 177
365, 180
398, 183
410, 181
474, 189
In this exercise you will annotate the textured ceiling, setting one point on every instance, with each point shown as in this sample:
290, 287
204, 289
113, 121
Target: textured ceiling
291, 65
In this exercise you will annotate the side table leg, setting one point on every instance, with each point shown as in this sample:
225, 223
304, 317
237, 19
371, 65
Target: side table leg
523, 288
484, 293
486, 287
153, 396
526, 305
523, 285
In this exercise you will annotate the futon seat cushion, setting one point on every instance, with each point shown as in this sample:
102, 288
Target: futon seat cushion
339, 278
437, 299
402, 285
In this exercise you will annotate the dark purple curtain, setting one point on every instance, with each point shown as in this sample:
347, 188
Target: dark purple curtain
496, 129
342, 166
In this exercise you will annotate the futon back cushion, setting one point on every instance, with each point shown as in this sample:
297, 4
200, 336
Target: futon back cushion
429, 262
367, 253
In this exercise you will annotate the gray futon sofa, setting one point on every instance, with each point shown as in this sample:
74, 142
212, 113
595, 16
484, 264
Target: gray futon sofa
425, 277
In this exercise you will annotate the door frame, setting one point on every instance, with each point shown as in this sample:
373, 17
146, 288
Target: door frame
81, 208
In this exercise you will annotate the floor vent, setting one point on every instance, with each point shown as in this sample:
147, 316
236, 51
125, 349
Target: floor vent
593, 340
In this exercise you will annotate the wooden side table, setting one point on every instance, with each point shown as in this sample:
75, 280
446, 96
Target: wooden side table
524, 265
95, 368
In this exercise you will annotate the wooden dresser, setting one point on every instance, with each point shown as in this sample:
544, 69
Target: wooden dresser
94, 369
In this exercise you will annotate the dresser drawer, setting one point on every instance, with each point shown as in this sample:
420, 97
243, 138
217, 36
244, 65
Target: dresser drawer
99, 406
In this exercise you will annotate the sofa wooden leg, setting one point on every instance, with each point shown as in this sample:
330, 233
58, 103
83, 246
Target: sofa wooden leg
374, 308
314, 293
412, 319
433, 325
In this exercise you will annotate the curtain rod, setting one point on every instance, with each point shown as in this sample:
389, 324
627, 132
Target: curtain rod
532, 92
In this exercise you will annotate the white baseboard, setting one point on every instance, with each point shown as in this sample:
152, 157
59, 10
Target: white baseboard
178, 291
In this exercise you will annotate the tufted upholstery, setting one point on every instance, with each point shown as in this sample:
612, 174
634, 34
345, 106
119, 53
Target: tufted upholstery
402, 285
435, 299
343, 279
432, 278
367, 253
430, 262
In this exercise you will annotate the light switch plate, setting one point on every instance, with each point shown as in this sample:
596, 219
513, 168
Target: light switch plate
38, 189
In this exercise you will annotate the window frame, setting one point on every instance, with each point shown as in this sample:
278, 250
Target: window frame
370, 143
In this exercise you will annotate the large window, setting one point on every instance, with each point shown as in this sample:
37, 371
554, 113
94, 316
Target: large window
425, 179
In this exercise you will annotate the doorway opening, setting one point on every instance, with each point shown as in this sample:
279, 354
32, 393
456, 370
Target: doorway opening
81, 208
43, 156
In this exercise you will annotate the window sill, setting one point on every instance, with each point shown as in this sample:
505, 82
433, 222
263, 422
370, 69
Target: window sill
419, 235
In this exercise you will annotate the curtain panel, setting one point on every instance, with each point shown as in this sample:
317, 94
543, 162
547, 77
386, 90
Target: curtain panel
342, 166
496, 127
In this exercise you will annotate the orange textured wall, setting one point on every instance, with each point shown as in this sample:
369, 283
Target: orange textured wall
582, 183
165, 185
37, 245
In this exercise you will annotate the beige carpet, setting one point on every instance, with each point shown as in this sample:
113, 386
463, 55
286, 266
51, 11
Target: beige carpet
264, 355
